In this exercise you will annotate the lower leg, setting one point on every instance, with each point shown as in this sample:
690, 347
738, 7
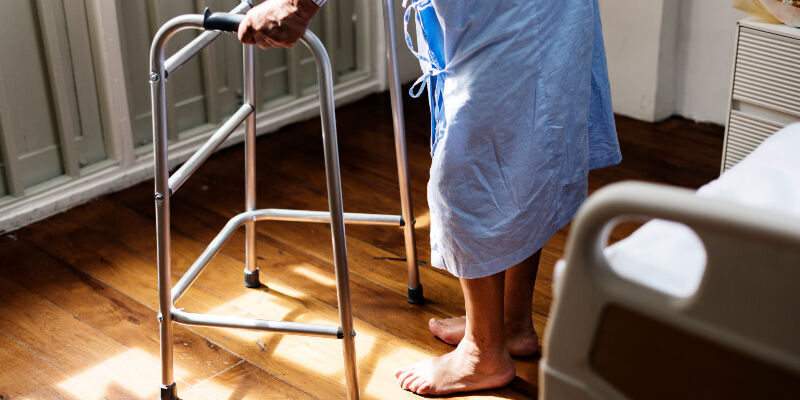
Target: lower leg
518, 306
481, 360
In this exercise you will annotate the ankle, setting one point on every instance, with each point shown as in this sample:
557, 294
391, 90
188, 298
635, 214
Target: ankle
483, 350
519, 326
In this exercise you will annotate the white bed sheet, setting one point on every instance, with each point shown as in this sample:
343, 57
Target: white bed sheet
670, 257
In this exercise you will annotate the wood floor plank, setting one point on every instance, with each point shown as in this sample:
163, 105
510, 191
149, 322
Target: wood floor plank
246, 381
97, 366
105, 309
26, 375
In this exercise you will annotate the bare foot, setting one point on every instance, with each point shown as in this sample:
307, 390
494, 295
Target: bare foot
449, 330
464, 369
521, 341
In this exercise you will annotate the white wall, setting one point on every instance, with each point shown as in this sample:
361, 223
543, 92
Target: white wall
706, 41
640, 41
670, 57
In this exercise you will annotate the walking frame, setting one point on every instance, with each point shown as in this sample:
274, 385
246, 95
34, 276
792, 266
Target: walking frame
166, 185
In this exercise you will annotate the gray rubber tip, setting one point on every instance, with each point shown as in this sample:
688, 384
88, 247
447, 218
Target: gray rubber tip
415, 295
251, 279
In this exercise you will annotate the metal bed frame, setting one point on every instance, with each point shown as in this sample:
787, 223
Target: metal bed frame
166, 185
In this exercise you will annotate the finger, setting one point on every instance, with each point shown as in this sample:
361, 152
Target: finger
242, 32
274, 43
261, 40
245, 32
248, 38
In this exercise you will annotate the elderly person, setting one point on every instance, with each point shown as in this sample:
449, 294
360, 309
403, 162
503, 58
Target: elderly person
520, 112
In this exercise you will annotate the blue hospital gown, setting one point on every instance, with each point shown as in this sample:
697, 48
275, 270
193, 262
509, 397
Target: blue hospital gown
520, 112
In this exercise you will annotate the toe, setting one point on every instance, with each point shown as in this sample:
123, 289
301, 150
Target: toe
406, 385
424, 388
417, 384
404, 378
434, 325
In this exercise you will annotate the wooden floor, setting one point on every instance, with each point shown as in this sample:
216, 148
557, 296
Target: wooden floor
78, 294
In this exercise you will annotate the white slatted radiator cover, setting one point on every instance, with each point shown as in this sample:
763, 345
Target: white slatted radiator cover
765, 94
745, 133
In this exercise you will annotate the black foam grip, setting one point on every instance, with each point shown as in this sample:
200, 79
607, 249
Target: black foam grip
222, 21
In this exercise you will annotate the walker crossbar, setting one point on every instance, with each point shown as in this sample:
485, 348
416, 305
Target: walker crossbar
165, 186
219, 321
262, 215
199, 157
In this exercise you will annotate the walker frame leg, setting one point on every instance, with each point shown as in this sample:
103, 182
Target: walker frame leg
415, 295
251, 278
334, 186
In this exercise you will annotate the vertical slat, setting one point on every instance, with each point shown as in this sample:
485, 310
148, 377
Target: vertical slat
363, 48
293, 72
210, 81
211, 84
329, 34
109, 58
51, 17
346, 22
132, 22
8, 146
157, 17
3, 189
90, 143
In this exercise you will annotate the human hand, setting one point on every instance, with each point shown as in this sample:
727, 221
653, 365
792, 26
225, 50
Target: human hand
277, 23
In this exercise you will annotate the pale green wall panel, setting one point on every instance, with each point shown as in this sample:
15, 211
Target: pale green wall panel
24, 79
188, 91
139, 20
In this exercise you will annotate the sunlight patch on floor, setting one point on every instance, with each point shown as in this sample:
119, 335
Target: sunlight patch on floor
133, 373
315, 276
423, 220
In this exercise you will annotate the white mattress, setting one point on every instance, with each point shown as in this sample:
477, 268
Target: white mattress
669, 257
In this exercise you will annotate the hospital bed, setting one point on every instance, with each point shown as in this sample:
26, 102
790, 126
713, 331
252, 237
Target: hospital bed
702, 302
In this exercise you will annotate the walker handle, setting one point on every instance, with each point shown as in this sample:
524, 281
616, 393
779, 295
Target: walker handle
219, 21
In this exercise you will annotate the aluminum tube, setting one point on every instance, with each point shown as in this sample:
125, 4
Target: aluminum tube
334, 184
277, 214
213, 248
400, 146
201, 155
267, 214
159, 115
219, 321
186, 53
249, 81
